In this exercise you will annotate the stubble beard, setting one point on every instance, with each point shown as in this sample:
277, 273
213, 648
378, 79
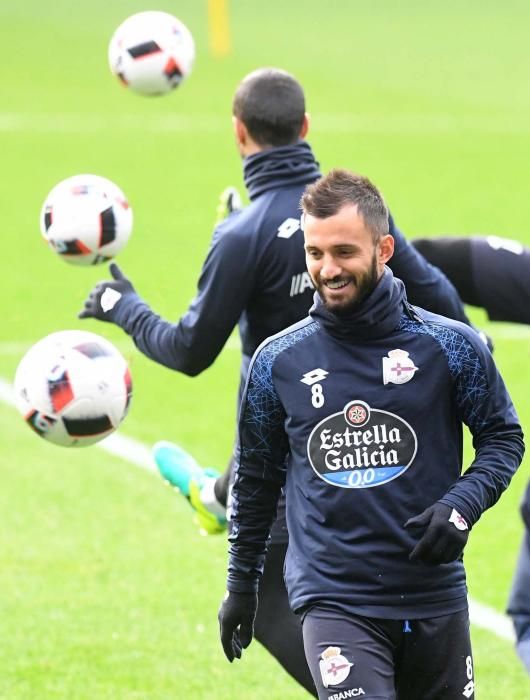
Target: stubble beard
364, 286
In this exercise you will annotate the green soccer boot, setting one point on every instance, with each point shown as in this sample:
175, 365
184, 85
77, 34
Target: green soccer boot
182, 472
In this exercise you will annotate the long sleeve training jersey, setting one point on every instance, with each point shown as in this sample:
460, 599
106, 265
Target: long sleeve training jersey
361, 420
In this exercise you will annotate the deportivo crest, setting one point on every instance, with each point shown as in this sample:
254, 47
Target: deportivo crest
334, 668
361, 447
398, 367
458, 520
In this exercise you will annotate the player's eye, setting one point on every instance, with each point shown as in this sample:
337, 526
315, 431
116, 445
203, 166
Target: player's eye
346, 252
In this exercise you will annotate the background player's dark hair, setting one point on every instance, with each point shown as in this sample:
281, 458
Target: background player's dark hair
271, 104
330, 193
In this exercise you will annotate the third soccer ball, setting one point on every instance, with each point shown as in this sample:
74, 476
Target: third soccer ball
151, 52
73, 388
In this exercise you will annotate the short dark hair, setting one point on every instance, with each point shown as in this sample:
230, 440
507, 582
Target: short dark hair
271, 104
338, 188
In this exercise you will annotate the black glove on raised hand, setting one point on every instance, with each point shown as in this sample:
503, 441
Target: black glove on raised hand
444, 537
236, 622
105, 295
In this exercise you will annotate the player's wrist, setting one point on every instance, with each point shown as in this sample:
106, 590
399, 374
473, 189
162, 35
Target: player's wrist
126, 307
459, 507
242, 585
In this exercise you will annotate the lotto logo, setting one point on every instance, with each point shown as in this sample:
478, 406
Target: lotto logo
469, 689
288, 228
315, 375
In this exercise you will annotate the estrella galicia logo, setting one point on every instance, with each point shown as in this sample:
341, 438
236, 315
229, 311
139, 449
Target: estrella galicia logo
361, 447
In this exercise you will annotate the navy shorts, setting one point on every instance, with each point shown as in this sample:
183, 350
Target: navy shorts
361, 657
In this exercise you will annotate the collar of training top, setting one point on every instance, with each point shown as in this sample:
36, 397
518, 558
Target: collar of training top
279, 167
377, 316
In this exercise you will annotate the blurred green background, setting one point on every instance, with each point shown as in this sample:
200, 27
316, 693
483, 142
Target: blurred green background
106, 589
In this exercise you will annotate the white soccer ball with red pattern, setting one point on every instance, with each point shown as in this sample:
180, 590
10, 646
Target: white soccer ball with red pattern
86, 219
73, 388
152, 52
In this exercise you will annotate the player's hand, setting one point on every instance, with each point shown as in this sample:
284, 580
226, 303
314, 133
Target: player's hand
229, 201
105, 295
444, 537
236, 622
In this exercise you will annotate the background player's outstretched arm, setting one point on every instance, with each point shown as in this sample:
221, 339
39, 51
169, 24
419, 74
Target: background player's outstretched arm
191, 344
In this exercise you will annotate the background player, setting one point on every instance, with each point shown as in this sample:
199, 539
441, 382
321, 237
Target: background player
487, 271
519, 603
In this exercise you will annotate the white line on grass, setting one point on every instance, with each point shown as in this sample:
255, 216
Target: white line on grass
137, 453
127, 448
6, 393
489, 619
413, 123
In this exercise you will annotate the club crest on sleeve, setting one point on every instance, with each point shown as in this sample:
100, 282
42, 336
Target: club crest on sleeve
334, 668
398, 367
109, 299
458, 521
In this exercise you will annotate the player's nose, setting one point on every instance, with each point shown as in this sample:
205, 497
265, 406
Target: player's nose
330, 268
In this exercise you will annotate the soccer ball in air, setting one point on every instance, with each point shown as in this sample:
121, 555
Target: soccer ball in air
73, 388
86, 219
151, 52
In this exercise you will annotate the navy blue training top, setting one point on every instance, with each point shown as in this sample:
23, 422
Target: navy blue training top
361, 420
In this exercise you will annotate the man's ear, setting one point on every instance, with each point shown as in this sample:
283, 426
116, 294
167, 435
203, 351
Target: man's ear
386, 248
240, 131
305, 126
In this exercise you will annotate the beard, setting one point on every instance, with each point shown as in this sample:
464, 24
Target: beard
364, 286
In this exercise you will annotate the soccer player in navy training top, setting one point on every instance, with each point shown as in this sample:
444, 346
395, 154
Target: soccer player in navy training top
357, 411
255, 276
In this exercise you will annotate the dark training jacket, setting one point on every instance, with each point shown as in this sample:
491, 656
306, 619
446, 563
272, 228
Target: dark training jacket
361, 420
486, 271
500, 270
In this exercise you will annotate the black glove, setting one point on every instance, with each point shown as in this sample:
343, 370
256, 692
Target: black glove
236, 622
444, 537
105, 295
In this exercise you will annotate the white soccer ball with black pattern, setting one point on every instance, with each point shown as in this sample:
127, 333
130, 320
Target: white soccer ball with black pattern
151, 52
86, 219
73, 388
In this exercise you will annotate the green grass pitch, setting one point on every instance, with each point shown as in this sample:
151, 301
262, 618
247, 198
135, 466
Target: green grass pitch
106, 590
